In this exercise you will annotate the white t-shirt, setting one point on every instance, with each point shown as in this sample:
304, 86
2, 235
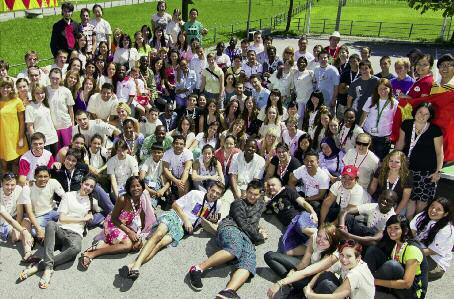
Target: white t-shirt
123, 56
153, 170
8, 203
367, 165
246, 172
98, 159
223, 60
202, 141
161, 21
312, 184
344, 197
147, 128
442, 243
74, 205
292, 142
102, 109
39, 115
348, 142
375, 218
125, 89
303, 84
198, 66
94, 127
41, 199
122, 169
308, 55
384, 127
191, 203
176, 162
59, 99
102, 30
361, 282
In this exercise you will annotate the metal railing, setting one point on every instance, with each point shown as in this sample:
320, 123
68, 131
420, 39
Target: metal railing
407, 31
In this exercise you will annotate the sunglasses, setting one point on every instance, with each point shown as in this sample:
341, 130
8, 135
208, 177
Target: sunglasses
8, 176
362, 143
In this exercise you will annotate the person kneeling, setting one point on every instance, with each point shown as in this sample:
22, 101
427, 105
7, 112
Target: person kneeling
236, 235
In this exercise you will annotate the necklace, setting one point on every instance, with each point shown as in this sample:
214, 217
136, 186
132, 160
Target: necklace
393, 185
414, 139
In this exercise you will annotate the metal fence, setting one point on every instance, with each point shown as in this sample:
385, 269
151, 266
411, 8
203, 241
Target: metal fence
407, 31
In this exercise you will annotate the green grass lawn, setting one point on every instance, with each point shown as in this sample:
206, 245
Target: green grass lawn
397, 18
19, 35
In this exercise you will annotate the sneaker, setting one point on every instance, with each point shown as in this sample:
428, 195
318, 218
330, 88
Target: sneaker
195, 279
227, 293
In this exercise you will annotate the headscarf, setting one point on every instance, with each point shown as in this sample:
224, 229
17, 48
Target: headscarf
332, 144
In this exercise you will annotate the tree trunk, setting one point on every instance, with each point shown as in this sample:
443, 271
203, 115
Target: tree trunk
184, 10
289, 16
339, 12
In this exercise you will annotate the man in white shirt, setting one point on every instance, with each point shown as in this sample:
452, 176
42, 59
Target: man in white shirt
31, 61
198, 64
362, 158
376, 216
342, 195
327, 79
88, 128
257, 46
60, 62
126, 89
315, 181
88, 30
177, 163
103, 105
245, 167
302, 45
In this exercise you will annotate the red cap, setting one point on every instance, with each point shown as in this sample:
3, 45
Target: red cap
350, 170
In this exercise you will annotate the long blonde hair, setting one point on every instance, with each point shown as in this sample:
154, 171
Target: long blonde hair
404, 172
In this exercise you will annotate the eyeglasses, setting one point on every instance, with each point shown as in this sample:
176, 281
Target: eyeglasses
348, 242
362, 143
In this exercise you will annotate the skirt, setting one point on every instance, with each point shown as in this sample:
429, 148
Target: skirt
423, 188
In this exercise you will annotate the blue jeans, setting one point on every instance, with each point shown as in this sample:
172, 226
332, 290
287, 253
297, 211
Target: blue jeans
103, 199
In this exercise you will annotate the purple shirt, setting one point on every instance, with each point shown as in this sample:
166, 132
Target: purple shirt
79, 104
401, 86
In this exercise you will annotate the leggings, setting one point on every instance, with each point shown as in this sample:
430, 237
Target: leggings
385, 269
281, 264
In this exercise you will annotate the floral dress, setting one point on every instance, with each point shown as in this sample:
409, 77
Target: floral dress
113, 234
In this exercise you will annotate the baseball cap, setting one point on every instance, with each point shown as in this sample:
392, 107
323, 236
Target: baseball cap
350, 170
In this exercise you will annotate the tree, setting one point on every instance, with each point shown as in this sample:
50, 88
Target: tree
447, 6
184, 9
289, 16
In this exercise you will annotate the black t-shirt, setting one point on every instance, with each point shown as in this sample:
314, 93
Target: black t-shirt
398, 188
346, 77
294, 164
423, 156
284, 205
70, 181
194, 114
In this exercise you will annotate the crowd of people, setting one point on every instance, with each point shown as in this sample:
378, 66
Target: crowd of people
117, 127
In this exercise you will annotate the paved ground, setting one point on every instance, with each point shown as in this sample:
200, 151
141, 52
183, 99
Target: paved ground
164, 277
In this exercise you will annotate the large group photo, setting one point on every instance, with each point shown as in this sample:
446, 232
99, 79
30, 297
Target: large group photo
171, 158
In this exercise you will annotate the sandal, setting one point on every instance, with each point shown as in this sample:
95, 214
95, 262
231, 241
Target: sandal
83, 261
44, 282
29, 271
133, 274
93, 247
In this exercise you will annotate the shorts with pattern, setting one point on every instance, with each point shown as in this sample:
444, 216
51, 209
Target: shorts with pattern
231, 239
423, 188
174, 226
5, 231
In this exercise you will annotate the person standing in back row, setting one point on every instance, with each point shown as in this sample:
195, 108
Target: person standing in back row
64, 31
194, 28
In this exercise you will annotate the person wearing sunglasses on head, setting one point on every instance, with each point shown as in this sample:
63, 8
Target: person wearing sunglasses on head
363, 159
355, 279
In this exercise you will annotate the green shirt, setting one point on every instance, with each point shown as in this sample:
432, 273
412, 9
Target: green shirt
145, 151
193, 30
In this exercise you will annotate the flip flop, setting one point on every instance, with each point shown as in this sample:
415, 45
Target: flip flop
133, 274
83, 263
93, 247
29, 271
44, 282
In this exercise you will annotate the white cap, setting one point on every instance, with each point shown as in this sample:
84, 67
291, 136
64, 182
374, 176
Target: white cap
335, 34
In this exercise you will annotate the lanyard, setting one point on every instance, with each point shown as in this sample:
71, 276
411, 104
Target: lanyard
393, 186
361, 160
283, 170
351, 76
69, 178
380, 112
201, 211
414, 139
